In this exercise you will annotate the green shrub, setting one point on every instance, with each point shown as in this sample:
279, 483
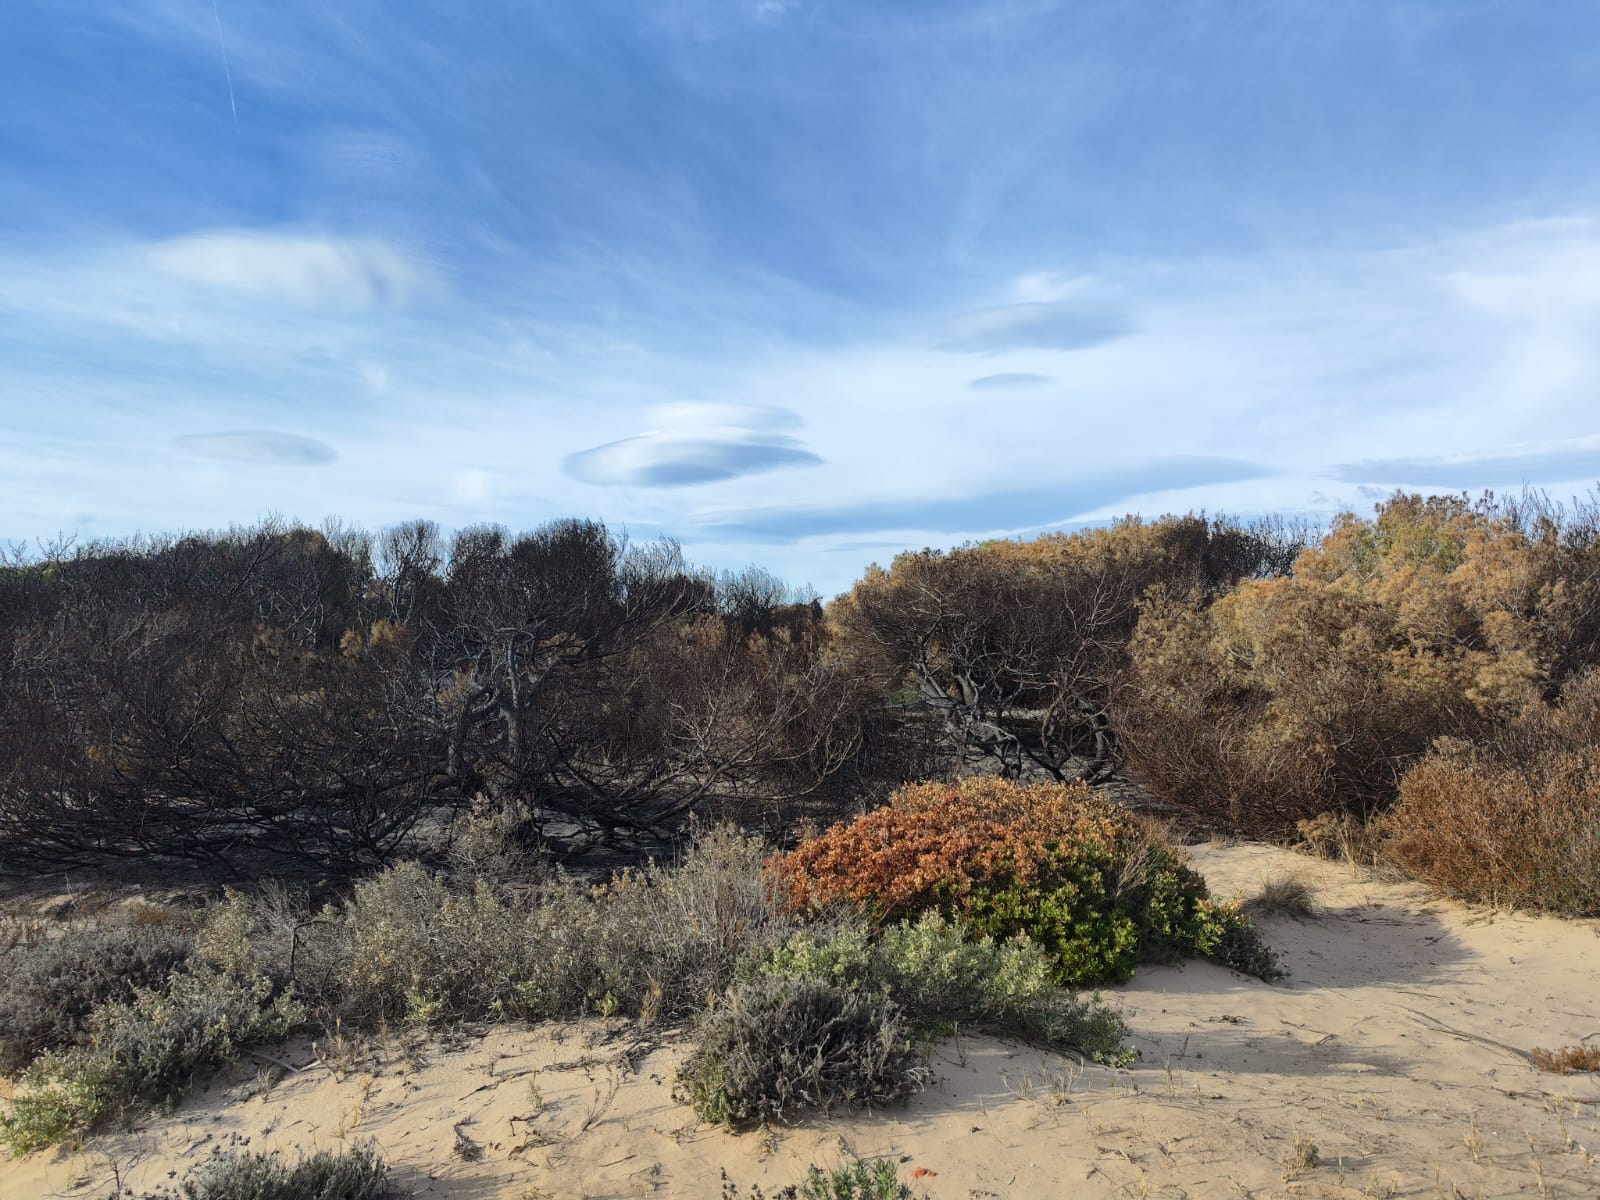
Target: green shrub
353, 1174
676, 935
939, 976
143, 1052
655, 943
877, 1180
49, 987
858, 1179
1097, 887
783, 1045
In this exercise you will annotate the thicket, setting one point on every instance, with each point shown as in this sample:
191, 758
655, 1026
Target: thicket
1432, 666
1019, 646
943, 978
279, 695
50, 985
1097, 887
787, 1017
143, 1053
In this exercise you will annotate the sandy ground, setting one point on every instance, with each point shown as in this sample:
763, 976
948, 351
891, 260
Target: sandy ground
1398, 1048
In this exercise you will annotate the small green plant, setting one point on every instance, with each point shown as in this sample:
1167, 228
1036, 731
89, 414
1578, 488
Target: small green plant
353, 1174
781, 1045
877, 1179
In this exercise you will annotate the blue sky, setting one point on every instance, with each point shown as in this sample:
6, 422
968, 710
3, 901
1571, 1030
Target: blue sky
798, 283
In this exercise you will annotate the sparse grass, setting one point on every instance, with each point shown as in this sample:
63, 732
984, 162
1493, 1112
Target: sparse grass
1567, 1059
1282, 896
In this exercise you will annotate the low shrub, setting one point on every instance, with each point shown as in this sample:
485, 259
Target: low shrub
938, 976
654, 943
143, 1052
356, 1173
783, 1045
1093, 884
1341, 837
50, 985
671, 938
1515, 820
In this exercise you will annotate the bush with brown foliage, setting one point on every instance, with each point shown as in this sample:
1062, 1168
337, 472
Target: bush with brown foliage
1514, 820
1287, 698
1019, 645
1093, 884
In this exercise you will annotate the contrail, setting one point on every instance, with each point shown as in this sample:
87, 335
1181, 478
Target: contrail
227, 74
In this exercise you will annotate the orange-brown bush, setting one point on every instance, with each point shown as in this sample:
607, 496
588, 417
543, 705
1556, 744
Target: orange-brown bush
1516, 820
1290, 697
1091, 882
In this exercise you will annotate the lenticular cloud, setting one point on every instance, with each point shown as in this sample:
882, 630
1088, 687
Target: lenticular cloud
696, 443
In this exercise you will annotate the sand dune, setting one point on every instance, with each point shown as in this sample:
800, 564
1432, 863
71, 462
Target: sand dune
1398, 1047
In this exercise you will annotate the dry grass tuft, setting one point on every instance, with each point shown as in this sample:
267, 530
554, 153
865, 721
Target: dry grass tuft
1567, 1059
1303, 1156
1284, 896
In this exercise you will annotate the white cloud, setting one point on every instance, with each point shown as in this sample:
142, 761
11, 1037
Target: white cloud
294, 269
472, 487
694, 443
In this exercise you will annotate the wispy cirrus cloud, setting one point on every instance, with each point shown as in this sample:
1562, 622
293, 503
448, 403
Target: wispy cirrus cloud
296, 269
1072, 324
1006, 380
259, 446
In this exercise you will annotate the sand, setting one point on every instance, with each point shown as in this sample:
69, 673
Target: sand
1398, 1048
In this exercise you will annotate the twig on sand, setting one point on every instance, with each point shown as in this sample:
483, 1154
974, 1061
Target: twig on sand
1464, 1035
278, 1062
